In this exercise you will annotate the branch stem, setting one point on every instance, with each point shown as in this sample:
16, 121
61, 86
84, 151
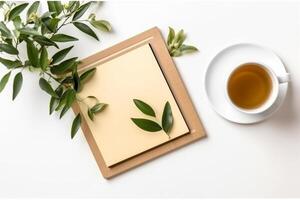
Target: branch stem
50, 75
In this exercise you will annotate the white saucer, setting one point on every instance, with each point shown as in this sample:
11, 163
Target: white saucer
223, 63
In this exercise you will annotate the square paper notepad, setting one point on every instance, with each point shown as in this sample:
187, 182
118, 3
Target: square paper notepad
137, 68
135, 74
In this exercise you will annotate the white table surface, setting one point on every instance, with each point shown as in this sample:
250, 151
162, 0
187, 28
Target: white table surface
38, 158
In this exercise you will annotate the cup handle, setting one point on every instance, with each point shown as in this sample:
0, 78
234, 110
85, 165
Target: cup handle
284, 78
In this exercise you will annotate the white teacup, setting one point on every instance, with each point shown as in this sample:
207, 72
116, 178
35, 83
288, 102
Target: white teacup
275, 81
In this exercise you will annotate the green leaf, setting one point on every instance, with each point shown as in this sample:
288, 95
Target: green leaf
17, 22
59, 56
184, 49
86, 29
99, 107
55, 7
9, 49
167, 118
77, 83
67, 80
44, 85
52, 24
17, 85
33, 8
175, 53
81, 10
179, 39
59, 90
144, 107
171, 35
8, 41
64, 111
74, 69
44, 59
146, 124
63, 99
87, 75
70, 98
64, 66
73, 5
29, 31
4, 81
44, 29
90, 114
92, 17
16, 33
4, 30
10, 64
32, 53
63, 38
16, 11
53, 104
42, 40
102, 25
58, 7
75, 125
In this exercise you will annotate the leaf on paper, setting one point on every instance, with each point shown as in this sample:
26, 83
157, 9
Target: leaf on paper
146, 124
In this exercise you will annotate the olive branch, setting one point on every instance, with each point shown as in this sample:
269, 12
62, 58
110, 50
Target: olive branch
59, 76
176, 46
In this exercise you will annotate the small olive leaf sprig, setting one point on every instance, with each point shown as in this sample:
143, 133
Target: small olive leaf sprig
59, 76
97, 108
175, 43
150, 125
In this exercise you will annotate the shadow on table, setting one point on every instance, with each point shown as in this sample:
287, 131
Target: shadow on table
287, 114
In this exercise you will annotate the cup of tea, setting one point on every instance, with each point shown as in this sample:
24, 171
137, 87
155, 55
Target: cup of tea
252, 87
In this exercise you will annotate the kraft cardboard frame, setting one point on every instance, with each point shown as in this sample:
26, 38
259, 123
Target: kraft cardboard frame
154, 38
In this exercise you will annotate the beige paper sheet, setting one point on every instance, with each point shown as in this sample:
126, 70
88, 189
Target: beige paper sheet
135, 74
